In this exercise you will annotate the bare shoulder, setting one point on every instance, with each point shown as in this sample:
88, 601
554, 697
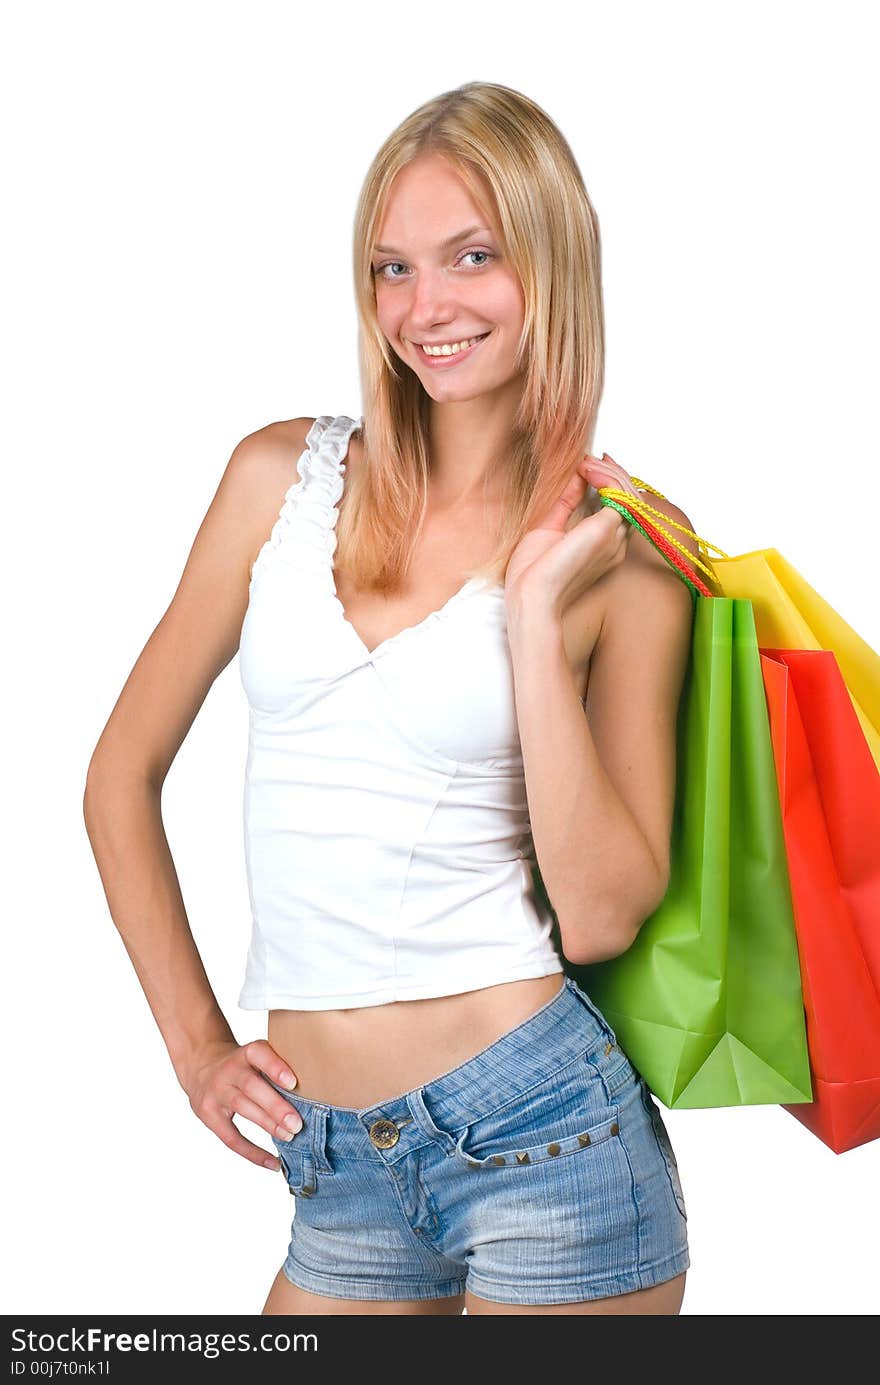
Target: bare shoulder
264, 467
260, 472
645, 551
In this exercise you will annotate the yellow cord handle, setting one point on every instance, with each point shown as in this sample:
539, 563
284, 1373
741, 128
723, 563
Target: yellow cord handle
641, 507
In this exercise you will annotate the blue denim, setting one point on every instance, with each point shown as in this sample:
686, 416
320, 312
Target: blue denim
539, 1171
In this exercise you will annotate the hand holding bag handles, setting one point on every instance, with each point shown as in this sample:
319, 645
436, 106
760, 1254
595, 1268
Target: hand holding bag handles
684, 998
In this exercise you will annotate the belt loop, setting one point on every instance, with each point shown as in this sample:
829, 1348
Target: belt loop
422, 1117
319, 1138
592, 1007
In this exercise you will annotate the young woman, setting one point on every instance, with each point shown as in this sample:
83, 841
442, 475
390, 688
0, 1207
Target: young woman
420, 599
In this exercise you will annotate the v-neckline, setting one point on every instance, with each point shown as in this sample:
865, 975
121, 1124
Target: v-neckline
469, 585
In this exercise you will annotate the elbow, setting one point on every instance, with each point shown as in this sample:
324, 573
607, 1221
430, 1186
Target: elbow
102, 781
596, 935
91, 788
88, 794
590, 940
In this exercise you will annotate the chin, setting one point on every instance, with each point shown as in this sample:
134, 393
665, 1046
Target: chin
460, 395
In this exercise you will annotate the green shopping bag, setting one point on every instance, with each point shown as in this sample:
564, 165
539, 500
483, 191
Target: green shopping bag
707, 1003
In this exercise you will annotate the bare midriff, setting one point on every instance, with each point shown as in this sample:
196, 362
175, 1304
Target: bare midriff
370, 1054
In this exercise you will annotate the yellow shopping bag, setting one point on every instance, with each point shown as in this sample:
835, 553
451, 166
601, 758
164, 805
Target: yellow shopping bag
789, 613
792, 615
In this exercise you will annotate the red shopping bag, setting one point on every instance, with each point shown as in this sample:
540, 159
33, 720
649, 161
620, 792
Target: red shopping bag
829, 792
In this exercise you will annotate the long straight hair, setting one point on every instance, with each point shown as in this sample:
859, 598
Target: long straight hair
524, 178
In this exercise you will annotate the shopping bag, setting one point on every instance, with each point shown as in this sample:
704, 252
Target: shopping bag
829, 791
707, 1002
789, 614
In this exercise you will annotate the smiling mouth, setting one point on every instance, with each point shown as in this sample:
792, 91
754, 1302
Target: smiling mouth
438, 356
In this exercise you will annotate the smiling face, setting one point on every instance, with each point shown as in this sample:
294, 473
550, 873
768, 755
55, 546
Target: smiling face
442, 279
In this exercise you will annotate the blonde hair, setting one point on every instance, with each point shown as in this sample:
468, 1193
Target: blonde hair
523, 176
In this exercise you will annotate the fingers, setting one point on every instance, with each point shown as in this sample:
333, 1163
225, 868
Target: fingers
232, 1137
276, 1116
624, 535
614, 521
279, 1115
246, 1092
262, 1056
561, 510
271, 1112
605, 471
619, 532
589, 471
277, 1111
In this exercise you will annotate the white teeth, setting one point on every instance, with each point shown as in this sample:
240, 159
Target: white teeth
451, 349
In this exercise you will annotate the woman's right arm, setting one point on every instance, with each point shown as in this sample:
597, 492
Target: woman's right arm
194, 641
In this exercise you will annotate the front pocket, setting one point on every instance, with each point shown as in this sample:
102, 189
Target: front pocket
561, 1114
486, 1152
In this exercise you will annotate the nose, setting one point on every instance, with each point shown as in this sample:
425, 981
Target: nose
432, 304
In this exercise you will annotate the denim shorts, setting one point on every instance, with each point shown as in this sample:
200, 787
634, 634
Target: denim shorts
539, 1171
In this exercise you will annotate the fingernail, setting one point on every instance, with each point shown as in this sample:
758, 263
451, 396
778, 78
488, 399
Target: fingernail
293, 1123
273, 1164
288, 1080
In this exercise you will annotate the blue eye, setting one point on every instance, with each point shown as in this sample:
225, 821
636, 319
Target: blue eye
389, 264
378, 271
487, 253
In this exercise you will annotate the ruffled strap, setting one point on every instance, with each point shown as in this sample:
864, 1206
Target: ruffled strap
323, 470
305, 530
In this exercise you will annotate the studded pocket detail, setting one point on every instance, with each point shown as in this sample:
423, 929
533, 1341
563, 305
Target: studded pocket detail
591, 1135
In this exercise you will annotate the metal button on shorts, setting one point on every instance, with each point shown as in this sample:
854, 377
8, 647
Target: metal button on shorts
384, 1134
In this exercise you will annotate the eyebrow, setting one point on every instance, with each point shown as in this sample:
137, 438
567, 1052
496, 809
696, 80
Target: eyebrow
444, 244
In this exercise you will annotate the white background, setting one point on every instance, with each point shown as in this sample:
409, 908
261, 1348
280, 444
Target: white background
181, 181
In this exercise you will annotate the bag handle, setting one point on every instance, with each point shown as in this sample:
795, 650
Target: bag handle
636, 512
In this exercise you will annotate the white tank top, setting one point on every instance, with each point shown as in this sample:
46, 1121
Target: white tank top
387, 841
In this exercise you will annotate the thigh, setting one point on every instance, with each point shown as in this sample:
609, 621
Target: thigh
660, 1298
290, 1300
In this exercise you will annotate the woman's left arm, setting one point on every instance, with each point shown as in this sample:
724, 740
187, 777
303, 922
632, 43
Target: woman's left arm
601, 787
